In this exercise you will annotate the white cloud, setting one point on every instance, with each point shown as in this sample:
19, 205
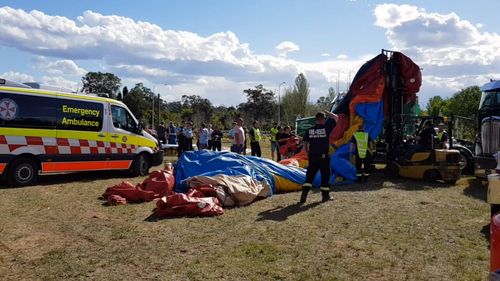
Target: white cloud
59, 67
453, 52
16, 76
219, 66
286, 47
60, 82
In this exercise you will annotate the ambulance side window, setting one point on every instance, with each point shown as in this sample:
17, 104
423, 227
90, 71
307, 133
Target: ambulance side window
27, 111
122, 119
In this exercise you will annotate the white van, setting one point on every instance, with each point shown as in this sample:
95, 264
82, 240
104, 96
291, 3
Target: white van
43, 131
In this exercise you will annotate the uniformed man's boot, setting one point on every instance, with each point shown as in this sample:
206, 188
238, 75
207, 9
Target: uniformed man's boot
325, 195
305, 191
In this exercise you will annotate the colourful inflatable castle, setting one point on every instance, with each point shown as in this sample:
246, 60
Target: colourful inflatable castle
366, 104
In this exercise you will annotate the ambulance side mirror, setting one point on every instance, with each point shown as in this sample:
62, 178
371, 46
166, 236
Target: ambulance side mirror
139, 127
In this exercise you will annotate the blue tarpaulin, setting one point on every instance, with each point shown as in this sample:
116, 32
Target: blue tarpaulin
210, 163
341, 164
373, 117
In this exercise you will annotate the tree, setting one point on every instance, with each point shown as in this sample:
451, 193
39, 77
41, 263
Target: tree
196, 109
435, 106
101, 84
294, 102
464, 103
124, 91
260, 104
138, 101
302, 87
324, 103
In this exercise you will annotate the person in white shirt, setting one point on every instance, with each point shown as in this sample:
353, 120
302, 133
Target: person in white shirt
239, 137
204, 136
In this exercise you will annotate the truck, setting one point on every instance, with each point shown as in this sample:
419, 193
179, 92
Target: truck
487, 143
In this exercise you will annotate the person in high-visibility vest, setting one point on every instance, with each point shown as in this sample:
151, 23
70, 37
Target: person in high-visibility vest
255, 139
363, 155
274, 146
317, 146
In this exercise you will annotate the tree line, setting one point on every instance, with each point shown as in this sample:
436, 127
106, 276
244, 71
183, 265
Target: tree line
261, 103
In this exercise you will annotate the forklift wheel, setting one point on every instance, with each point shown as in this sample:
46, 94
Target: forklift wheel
431, 175
391, 170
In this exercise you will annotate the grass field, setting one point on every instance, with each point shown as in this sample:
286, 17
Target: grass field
383, 230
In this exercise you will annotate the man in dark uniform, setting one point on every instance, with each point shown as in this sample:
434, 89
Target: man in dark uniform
317, 146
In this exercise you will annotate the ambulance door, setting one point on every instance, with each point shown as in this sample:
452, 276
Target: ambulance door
123, 139
81, 136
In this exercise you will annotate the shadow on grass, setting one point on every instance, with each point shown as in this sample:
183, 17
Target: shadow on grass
378, 181
282, 213
485, 231
80, 177
476, 189
155, 218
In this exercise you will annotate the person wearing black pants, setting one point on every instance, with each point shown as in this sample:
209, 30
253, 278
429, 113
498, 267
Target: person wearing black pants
255, 139
217, 139
317, 146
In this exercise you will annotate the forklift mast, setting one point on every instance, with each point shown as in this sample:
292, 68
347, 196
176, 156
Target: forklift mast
394, 124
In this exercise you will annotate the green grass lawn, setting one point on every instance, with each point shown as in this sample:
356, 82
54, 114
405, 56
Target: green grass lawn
382, 230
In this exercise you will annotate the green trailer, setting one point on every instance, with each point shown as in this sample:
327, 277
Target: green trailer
302, 124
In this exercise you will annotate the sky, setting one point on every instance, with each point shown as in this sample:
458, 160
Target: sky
218, 48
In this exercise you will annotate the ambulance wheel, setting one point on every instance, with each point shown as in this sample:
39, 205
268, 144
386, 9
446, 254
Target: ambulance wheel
22, 171
141, 165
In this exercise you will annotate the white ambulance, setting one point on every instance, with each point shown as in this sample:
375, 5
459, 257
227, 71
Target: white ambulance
44, 131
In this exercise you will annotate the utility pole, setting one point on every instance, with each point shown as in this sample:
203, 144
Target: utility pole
279, 102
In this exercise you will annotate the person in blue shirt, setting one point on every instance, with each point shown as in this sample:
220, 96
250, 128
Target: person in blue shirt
188, 133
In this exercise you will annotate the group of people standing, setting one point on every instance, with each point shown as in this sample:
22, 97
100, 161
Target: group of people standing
183, 135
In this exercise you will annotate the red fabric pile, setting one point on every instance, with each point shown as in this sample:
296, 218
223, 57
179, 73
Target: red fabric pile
199, 201
158, 184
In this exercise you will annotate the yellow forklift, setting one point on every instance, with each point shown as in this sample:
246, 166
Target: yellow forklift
401, 157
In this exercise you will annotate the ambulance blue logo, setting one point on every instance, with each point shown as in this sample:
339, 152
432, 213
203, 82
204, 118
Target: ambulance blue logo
8, 109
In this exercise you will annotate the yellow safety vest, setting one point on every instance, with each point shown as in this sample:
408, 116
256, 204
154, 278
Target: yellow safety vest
274, 131
256, 134
361, 143
440, 135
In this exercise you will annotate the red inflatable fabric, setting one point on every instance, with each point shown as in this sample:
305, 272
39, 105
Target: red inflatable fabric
340, 128
366, 80
160, 182
156, 185
130, 192
290, 146
192, 203
115, 199
411, 76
